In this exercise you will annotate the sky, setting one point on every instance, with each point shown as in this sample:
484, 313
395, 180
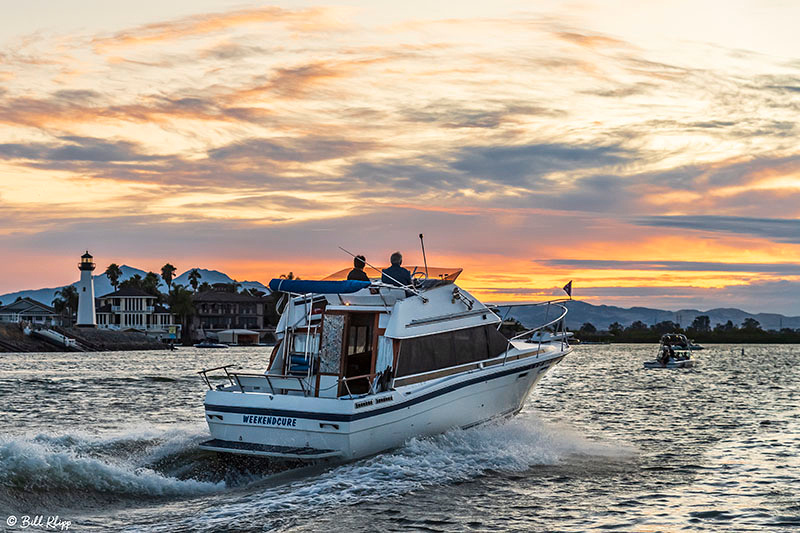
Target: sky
646, 150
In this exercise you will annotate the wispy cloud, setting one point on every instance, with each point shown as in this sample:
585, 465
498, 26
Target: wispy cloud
773, 229
685, 266
306, 20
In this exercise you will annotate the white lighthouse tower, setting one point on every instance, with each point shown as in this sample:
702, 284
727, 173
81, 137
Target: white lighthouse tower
86, 315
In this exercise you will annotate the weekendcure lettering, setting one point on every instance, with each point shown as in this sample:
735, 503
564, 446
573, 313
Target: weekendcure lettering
269, 420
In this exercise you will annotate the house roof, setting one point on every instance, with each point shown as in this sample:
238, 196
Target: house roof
220, 296
128, 292
28, 305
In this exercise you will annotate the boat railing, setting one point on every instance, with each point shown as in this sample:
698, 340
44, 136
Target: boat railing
540, 328
370, 382
204, 374
277, 383
284, 383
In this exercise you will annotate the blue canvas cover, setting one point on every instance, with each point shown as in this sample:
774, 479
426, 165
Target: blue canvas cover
301, 286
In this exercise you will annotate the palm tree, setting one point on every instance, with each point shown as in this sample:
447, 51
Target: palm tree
194, 277
182, 305
134, 282
204, 287
66, 300
290, 275
113, 273
167, 274
150, 284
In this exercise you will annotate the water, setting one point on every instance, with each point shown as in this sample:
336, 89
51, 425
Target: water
108, 441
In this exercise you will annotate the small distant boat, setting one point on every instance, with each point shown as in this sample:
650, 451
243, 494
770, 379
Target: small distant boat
209, 344
674, 351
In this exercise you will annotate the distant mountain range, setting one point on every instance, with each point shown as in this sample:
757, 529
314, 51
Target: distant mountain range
579, 312
103, 286
602, 315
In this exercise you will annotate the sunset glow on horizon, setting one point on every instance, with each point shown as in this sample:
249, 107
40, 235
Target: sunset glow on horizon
649, 153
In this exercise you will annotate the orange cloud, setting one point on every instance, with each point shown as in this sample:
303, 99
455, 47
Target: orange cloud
305, 20
591, 41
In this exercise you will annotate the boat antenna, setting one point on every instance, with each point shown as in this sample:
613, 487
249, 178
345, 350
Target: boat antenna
424, 259
376, 269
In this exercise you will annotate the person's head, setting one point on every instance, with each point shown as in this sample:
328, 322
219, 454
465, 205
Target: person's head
359, 261
396, 259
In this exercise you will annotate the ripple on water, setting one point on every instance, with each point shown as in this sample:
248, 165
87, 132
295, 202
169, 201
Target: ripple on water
622, 448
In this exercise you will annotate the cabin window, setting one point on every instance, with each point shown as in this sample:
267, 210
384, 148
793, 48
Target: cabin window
444, 350
359, 338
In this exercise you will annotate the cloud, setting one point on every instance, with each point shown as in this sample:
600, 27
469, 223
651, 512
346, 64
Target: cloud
683, 266
526, 164
490, 115
775, 229
303, 149
591, 41
72, 149
304, 20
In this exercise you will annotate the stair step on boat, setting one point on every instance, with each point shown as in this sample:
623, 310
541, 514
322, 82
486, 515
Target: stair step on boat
248, 448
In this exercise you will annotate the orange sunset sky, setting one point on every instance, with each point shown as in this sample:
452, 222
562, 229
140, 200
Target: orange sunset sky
647, 150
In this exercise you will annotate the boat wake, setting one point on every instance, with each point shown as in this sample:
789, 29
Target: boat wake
458, 456
79, 469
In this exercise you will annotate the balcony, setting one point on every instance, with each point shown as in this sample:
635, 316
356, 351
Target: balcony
119, 309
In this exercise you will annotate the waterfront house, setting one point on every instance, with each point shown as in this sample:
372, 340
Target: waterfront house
133, 309
223, 309
29, 310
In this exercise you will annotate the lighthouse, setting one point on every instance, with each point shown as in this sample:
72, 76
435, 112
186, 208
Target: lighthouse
86, 315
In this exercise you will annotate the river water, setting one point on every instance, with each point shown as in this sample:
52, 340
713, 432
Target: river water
108, 442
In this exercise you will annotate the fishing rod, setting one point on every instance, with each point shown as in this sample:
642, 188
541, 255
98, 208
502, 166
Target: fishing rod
424, 259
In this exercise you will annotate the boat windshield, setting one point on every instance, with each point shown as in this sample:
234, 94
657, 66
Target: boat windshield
418, 272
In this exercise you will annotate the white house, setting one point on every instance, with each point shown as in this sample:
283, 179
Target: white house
133, 309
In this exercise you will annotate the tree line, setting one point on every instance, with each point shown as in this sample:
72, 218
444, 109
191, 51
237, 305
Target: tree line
700, 330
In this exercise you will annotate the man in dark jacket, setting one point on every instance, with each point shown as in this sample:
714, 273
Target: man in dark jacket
395, 274
358, 269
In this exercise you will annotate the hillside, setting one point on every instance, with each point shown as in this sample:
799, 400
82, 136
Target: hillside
103, 286
603, 315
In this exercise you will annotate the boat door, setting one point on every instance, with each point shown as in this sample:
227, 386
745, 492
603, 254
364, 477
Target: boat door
358, 357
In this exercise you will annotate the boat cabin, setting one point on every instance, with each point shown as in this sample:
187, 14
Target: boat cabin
346, 344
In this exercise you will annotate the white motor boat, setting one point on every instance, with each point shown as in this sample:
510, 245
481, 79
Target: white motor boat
674, 351
206, 343
362, 366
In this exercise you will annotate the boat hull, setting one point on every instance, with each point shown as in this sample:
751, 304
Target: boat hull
275, 426
685, 363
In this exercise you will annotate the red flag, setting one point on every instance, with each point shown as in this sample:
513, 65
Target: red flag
568, 288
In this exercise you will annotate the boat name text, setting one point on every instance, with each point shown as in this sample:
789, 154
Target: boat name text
269, 420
